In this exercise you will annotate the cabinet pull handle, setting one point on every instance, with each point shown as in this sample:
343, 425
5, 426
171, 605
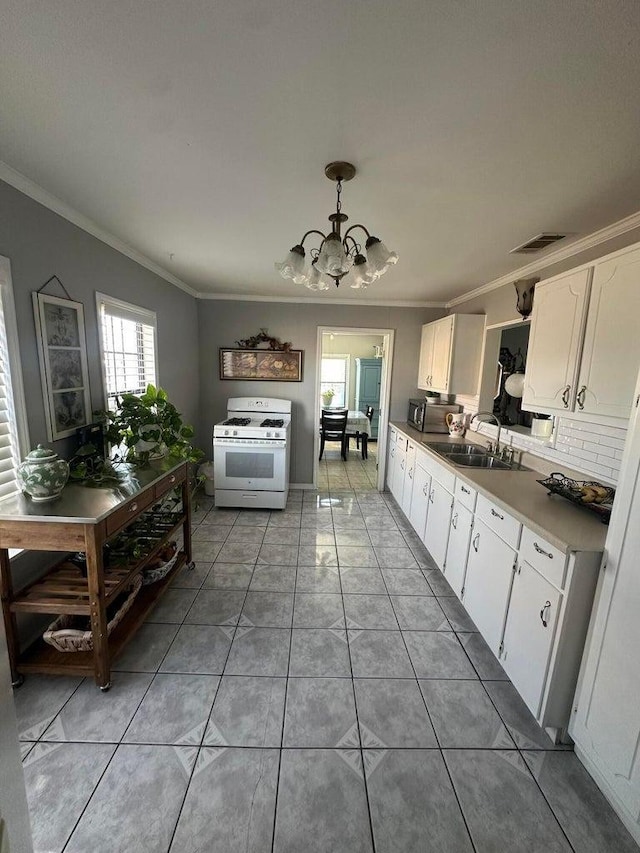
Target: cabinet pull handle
581, 395
402, 464
544, 613
465, 490
431, 496
476, 539
424, 490
542, 551
410, 472
454, 521
497, 514
565, 396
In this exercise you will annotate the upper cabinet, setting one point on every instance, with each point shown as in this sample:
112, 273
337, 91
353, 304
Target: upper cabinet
584, 350
450, 352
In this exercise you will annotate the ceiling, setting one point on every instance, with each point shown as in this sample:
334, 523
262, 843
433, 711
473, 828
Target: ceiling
197, 131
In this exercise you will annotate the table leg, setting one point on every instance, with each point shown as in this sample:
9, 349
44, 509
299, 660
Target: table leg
365, 440
95, 580
186, 524
10, 624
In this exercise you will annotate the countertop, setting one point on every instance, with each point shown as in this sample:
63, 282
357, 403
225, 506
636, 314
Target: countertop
561, 523
87, 504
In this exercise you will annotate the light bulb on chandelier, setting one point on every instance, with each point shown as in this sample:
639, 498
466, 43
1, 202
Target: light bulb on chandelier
338, 256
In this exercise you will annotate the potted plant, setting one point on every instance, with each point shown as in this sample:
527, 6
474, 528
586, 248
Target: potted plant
148, 427
327, 397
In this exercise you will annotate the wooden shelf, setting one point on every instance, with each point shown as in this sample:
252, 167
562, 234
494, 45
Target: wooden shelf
64, 589
43, 658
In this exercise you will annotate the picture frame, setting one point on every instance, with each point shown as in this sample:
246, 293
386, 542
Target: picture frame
62, 350
261, 365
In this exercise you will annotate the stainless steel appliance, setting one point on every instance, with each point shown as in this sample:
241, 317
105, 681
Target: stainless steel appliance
430, 417
251, 450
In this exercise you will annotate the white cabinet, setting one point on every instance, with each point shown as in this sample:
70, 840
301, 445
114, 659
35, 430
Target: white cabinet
400, 464
391, 458
529, 634
420, 498
409, 468
458, 548
557, 326
584, 348
436, 534
450, 351
488, 583
611, 353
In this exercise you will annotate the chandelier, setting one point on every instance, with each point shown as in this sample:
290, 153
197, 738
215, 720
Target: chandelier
338, 255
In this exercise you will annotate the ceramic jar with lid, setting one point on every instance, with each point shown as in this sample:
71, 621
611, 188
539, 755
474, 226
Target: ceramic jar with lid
43, 475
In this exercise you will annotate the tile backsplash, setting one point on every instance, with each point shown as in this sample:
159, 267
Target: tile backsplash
589, 449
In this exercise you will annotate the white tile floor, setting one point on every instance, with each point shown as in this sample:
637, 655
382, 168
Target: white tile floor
313, 685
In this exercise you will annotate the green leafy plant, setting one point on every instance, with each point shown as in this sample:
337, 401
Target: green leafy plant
147, 427
327, 396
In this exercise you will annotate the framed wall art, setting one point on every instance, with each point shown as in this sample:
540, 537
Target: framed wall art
63, 364
264, 365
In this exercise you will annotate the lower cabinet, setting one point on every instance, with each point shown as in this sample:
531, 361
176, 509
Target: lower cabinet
458, 548
421, 487
488, 583
391, 459
409, 469
529, 634
397, 484
436, 534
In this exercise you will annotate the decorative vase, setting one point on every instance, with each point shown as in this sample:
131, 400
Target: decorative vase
327, 400
43, 475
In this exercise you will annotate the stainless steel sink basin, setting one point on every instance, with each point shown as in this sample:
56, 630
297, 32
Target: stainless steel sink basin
446, 449
479, 461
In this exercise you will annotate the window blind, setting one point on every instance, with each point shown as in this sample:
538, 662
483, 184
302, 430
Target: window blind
128, 349
9, 446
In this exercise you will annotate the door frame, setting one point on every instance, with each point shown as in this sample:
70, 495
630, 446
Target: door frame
388, 336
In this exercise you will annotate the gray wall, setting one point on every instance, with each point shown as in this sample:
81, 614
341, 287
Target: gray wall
222, 323
39, 244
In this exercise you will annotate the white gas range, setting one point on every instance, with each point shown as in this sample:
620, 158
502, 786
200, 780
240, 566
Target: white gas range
251, 449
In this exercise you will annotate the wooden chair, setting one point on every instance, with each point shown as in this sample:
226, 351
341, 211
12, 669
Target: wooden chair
369, 413
333, 427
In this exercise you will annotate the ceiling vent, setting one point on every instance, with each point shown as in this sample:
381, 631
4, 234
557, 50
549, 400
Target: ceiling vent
536, 244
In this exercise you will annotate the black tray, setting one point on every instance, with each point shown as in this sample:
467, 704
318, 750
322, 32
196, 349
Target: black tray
558, 484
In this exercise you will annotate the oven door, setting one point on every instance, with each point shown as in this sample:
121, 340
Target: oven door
255, 466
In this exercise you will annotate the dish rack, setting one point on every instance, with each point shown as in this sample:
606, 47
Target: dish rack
582, 493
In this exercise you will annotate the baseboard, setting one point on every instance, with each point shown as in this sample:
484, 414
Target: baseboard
623, 813
301, 486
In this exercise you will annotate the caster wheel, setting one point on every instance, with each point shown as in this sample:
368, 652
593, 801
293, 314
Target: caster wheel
191, 566
18, 682
105, 688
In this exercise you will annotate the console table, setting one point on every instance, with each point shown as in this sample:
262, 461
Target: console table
84, 519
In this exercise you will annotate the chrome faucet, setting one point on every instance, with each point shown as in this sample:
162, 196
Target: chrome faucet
490, 447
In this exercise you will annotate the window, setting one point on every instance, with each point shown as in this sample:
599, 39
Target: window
14, 441
128, 342
334, 374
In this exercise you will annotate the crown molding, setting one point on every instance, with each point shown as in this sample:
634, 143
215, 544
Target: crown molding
616, 229
46, 199
242, 297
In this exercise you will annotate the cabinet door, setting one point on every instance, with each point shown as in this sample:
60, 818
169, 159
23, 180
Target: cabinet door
391, 459
559, 310
398, 474
368, 390
458, 548
425, 368
441, 362
488, 583
407, 489
420, 499
529, 633
611, 353
436, 534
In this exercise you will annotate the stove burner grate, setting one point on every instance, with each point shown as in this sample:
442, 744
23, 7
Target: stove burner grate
272, 422
237, 422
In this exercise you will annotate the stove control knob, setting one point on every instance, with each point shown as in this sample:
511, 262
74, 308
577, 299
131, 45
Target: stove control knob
276, 435
235, 432
268, 434
226, 432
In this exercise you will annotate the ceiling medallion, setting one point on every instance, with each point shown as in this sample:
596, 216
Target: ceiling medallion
338, 255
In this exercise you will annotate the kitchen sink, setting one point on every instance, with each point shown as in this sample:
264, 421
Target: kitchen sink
479, 461
446, 449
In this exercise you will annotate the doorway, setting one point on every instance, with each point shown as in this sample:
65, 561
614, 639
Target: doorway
353, 372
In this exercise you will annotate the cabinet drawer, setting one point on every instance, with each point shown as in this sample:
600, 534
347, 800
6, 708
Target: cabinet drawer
545, 558
401, 440
129, 511
169, 482
505, 525
441, 474
465, 494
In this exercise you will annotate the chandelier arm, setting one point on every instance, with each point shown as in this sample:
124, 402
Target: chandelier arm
357, 225
312, 231
355, 246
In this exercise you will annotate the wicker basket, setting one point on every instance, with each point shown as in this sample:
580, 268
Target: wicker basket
154, 574
66, 639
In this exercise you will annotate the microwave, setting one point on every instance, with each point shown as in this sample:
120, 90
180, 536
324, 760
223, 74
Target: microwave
430, 417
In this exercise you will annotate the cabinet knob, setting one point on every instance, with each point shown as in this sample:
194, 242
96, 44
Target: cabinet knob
565, 396
581, 395
133, 507
172, 478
